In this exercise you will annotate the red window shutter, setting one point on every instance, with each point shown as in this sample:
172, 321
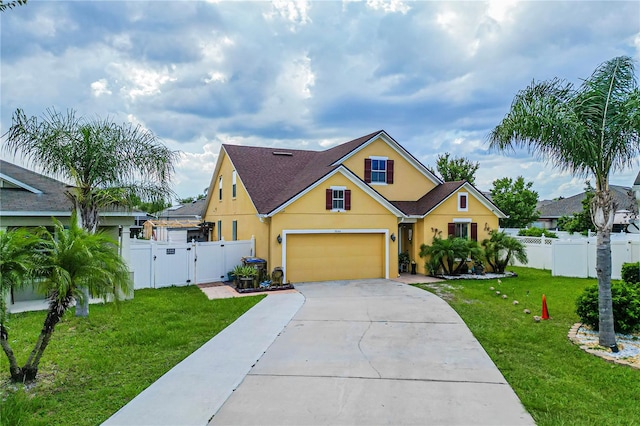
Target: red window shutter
329, 197
474, 231
389, 171
463, 201
347, 199
451, 228
367, 170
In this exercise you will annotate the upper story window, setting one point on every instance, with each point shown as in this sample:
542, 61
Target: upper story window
220, 188
338, 198
233, 183
378, 170
463, 202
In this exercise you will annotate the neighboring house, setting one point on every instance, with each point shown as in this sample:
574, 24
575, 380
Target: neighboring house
343, 213
29, 199
179, 223
552, 210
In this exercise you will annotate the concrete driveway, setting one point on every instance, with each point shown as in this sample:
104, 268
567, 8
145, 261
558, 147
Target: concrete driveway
373, 352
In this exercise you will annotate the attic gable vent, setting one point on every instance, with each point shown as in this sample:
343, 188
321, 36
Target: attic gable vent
287, 154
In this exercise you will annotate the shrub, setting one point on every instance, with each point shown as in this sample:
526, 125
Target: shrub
450, 253
501, 250
626, 307
536, 232
631, 272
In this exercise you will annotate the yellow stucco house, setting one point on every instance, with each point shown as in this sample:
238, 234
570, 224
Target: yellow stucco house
343, 213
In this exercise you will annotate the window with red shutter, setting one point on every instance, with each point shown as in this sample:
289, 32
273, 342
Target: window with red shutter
389, 171
347, 199
474, 231
451, 229
367, 170
329, 199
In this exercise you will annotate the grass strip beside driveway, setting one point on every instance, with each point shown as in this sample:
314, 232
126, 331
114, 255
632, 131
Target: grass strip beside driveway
557, 382
94, 366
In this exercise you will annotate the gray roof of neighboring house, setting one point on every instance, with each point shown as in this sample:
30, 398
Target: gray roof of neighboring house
27, 191
272, 176
195, 209
551, 209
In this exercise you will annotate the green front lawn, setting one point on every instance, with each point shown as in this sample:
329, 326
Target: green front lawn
557, 382
94, 366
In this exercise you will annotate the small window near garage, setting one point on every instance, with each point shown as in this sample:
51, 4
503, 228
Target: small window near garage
378, 170
219, 230
463, 202
233, 183
338, 198
220, 188
234, 230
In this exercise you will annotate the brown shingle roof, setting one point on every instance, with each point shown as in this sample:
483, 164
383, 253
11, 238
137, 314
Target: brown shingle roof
429, 200
273, 176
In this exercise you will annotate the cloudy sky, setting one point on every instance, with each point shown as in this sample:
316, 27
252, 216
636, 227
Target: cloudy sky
437, 76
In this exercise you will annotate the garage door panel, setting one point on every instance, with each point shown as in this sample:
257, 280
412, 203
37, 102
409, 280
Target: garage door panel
323, 257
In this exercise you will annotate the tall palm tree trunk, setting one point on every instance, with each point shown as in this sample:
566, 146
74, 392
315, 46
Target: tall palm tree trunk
14, 369
603, 208
57, 308
87, 219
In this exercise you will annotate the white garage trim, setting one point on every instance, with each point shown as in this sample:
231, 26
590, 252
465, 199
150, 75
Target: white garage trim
286, 232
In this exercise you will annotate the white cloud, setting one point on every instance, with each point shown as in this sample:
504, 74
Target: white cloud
100, 87
500, 10
296, 12
287, 98
143, 81
436, 75
389, 6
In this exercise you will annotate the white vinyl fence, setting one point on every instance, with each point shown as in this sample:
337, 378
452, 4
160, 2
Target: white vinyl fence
158, 264
577, 257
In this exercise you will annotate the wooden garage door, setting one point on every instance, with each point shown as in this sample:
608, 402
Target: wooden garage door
324, 257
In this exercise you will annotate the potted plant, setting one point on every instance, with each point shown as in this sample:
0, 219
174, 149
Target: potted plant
403, 261
244, 275
247, 276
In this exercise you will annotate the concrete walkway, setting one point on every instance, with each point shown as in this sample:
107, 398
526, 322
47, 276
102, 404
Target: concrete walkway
373, 352
192, 391
362, 352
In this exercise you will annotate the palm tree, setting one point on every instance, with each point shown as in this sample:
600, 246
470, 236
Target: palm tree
66, 262
16, 266
592, 130
501, 250
445, 252
108, 164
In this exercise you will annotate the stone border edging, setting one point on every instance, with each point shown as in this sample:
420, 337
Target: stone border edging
572, 335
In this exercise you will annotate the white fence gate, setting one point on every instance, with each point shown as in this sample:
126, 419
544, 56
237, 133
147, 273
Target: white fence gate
158, 264
577, 257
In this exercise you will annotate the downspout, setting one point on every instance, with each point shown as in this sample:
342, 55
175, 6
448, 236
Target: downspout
265, 219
